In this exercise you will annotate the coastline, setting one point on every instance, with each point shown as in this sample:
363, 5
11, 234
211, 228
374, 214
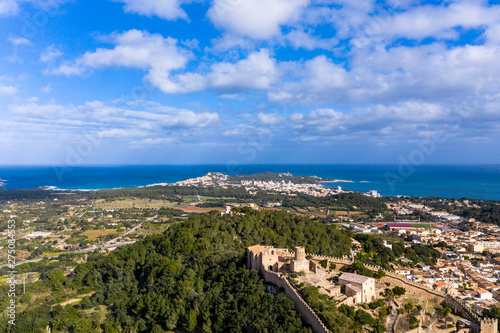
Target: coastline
337, 181
440, 181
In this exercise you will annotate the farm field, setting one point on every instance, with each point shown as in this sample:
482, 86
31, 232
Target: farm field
94, 234
134, 203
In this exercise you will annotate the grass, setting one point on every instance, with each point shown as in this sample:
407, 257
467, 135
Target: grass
423, 225
94, 234
133, 203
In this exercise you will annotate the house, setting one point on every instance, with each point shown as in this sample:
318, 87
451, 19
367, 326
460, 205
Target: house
360, 286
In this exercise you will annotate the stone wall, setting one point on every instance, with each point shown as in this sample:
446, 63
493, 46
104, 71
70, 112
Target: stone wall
301, 306
394, 279
458, 306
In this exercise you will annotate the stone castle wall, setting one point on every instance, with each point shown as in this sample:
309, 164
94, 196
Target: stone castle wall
301, 306
459, 306
415, 288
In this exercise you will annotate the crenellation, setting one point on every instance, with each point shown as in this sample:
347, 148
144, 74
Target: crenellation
355, 292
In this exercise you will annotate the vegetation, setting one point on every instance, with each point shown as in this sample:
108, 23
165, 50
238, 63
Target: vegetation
345, 319
375, 252
193, 276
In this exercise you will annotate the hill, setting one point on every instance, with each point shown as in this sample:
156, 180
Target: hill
193, 276
278, 177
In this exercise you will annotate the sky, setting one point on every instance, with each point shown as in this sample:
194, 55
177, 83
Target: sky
249, 81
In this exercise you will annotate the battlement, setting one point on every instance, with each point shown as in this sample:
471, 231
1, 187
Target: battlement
308, 314
489, 325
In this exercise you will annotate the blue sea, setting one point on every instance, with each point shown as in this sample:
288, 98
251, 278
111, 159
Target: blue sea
449, 181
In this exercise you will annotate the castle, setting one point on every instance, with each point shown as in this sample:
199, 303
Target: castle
357, 288
276, 260
273, 262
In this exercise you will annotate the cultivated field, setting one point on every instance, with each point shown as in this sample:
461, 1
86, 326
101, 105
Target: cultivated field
134, 203
94, 234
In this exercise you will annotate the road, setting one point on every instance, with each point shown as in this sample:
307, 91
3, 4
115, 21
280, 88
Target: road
85, 212
90, 249
112, 243
128, 232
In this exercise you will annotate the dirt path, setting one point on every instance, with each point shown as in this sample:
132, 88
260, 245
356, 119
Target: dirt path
74, 300
393, 317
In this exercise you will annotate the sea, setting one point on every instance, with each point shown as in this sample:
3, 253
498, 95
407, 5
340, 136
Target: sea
447, 181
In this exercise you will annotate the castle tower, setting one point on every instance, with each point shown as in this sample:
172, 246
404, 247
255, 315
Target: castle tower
300, 263
489, 325
300, 253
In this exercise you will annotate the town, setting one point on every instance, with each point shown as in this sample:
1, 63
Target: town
432, 249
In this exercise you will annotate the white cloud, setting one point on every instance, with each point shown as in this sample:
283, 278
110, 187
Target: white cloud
438, 21
405, 119
50, 54
154, 118
134, 49
7, 90
186, 118
269, 119
48, 111
19, 41
320, 80
257, 71
301, 39
155, 141
119, 133
47, 89
165, 9
8, 7
259, 19
492, 34
12, 7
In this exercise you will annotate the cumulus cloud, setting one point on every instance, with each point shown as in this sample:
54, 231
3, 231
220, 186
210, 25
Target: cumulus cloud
259, 19
133, 49
257, 71
19, 41
165, 9
8, 7
50, 54
319, 80
437, 21
301, 39
269, 119
12, 7
398, 121
7, 90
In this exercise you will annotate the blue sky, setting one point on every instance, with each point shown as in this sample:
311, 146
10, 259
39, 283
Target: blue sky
249, 81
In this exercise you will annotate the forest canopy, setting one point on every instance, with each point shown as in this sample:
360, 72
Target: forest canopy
192, 276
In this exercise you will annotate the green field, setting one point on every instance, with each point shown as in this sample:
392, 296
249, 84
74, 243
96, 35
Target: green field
424, 225
94, 234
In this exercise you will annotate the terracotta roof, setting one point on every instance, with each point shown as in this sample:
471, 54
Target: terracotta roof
355, 278
257, 248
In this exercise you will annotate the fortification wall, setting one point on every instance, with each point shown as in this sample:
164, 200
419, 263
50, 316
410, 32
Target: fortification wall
413, 288
394, 279
339, 262
301, 306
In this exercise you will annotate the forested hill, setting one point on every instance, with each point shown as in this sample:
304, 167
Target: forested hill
191, 277
278, 177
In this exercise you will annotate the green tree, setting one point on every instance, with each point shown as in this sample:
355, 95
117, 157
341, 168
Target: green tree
445, 311
399, 291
